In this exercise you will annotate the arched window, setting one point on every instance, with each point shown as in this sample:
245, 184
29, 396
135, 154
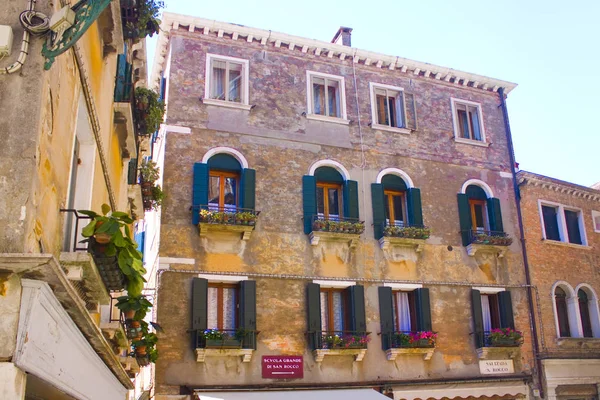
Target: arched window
222, 182
329, 193
562, 314
584, 312
395, 202
479, 213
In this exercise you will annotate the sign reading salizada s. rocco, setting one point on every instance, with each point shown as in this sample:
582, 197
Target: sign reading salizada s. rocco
282, 367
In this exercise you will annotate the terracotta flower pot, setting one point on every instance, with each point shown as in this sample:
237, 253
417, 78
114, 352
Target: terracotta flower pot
129, 314
140, 350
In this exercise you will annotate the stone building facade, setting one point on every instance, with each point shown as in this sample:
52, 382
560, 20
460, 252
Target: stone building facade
314, 190
67, 141
562, 232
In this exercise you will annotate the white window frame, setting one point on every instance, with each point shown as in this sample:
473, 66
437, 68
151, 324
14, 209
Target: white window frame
596, 214
245, 104
374, 121
457, 138
562, 223
309, 98
573, 316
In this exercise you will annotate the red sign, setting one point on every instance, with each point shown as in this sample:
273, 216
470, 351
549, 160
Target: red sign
282, 367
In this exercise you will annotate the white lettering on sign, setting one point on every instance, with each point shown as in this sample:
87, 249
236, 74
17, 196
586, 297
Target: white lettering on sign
493, 367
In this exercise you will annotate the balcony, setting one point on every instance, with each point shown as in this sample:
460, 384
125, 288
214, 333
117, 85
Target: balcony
409, 343
339, 343
504, 341
225, 343
397, 238
488, 241
228, 219
336, 229
123, 113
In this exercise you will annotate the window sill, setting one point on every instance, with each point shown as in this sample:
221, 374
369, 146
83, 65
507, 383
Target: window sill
350, 238
390, 129
487, 353
578, 343
227, 104
566, 244
358, 354
246, 354
427, 353
471, 142
325, 118
245, 230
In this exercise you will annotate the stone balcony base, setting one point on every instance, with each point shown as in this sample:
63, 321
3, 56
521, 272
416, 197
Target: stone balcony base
426, 352
487, 353
246, 354
474, 248
244, 230
323, 236
358, 354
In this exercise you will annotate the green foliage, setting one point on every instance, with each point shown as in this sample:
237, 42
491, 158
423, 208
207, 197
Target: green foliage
147, 22
139, 304
410, 232
149, 171
149, 110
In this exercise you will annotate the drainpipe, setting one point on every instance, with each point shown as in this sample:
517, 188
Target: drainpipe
511, 154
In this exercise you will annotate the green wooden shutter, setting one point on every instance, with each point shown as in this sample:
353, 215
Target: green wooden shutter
415, 211
423, 309
132, 172
477, 317
464, 215
120, 78
410, 111
386, 316
495, 215
507, 319
309, 201
199, 190
351, 199
248, 312
199, 307
378, 202
313, 313
358, 321
247, 197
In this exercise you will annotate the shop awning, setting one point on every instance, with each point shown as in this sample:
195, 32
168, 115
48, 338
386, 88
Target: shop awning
341, 394
460, 390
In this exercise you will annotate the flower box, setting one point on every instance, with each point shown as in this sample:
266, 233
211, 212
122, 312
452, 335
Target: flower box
223, 344
408, 232
505, 342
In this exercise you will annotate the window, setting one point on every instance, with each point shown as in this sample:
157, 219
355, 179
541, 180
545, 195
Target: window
562, 223
326, 96
329, 200
584, 312
333, 310
562, 313
492, 309
226, 81
490, 312
387, 107
596, 221
468, 121
223, 189
480, 216
395, 208
222, 306
404, 311
576, 311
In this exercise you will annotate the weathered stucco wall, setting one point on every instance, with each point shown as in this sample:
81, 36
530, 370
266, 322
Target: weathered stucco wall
281, 145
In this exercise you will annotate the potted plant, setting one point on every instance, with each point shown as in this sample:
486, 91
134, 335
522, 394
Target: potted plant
149, 111
149, 171
214, 338
145, 344
145, 21
505, 337
133, 307
423, 339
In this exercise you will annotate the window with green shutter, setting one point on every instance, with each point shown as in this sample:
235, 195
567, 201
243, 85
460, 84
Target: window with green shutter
480, 216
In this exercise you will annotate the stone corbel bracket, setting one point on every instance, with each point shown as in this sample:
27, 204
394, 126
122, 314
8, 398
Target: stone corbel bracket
358, 354
499, 251
427, 352
245, 230
387, 244
321, 236
246, 354
487, 353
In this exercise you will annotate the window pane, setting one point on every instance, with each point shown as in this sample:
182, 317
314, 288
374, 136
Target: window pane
334, 202
572, 219
230, 191
486, 312
235, 82
333, 96
324, 312
402, 312
229, 308
392, 106
584, 311
213, 308
479, 216
382, 114
561, 310
550, 223
338, 311
318, 96
398, 210
463, 124
387, 208
217, 84
214, 190
475, 128
320, 201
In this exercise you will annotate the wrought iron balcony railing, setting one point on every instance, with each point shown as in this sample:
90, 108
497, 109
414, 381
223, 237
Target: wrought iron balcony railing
495, 238
495, 339
405, 230
339, 339
334, 223
227, 215
410, 339
225, 338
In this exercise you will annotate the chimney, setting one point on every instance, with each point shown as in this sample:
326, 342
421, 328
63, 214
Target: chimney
343, 36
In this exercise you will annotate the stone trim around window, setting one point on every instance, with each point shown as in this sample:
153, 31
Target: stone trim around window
454, 102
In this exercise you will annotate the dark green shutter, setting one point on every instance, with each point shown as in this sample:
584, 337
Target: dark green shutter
313, 313
423, 309
247, 197
358, 321
121, 78
415, 211
464, 215
477, 317
386, 316
248, 313
351, 199
199, 190
199, 304
507, 319
132, 172
378, 202
309, 201
495, 215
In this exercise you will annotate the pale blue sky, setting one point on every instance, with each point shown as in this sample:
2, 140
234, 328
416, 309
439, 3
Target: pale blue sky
550, 48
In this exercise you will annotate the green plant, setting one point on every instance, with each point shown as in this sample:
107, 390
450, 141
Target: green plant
147, 22
410, 232
414, 339
346, 341
149, 111
501, 334
149, 171
116, 226
156, 198
139, 304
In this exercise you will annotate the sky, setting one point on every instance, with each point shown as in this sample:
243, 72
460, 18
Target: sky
550, 48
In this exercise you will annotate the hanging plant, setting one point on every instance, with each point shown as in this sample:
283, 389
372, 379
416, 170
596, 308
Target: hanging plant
149, 111
144, 21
